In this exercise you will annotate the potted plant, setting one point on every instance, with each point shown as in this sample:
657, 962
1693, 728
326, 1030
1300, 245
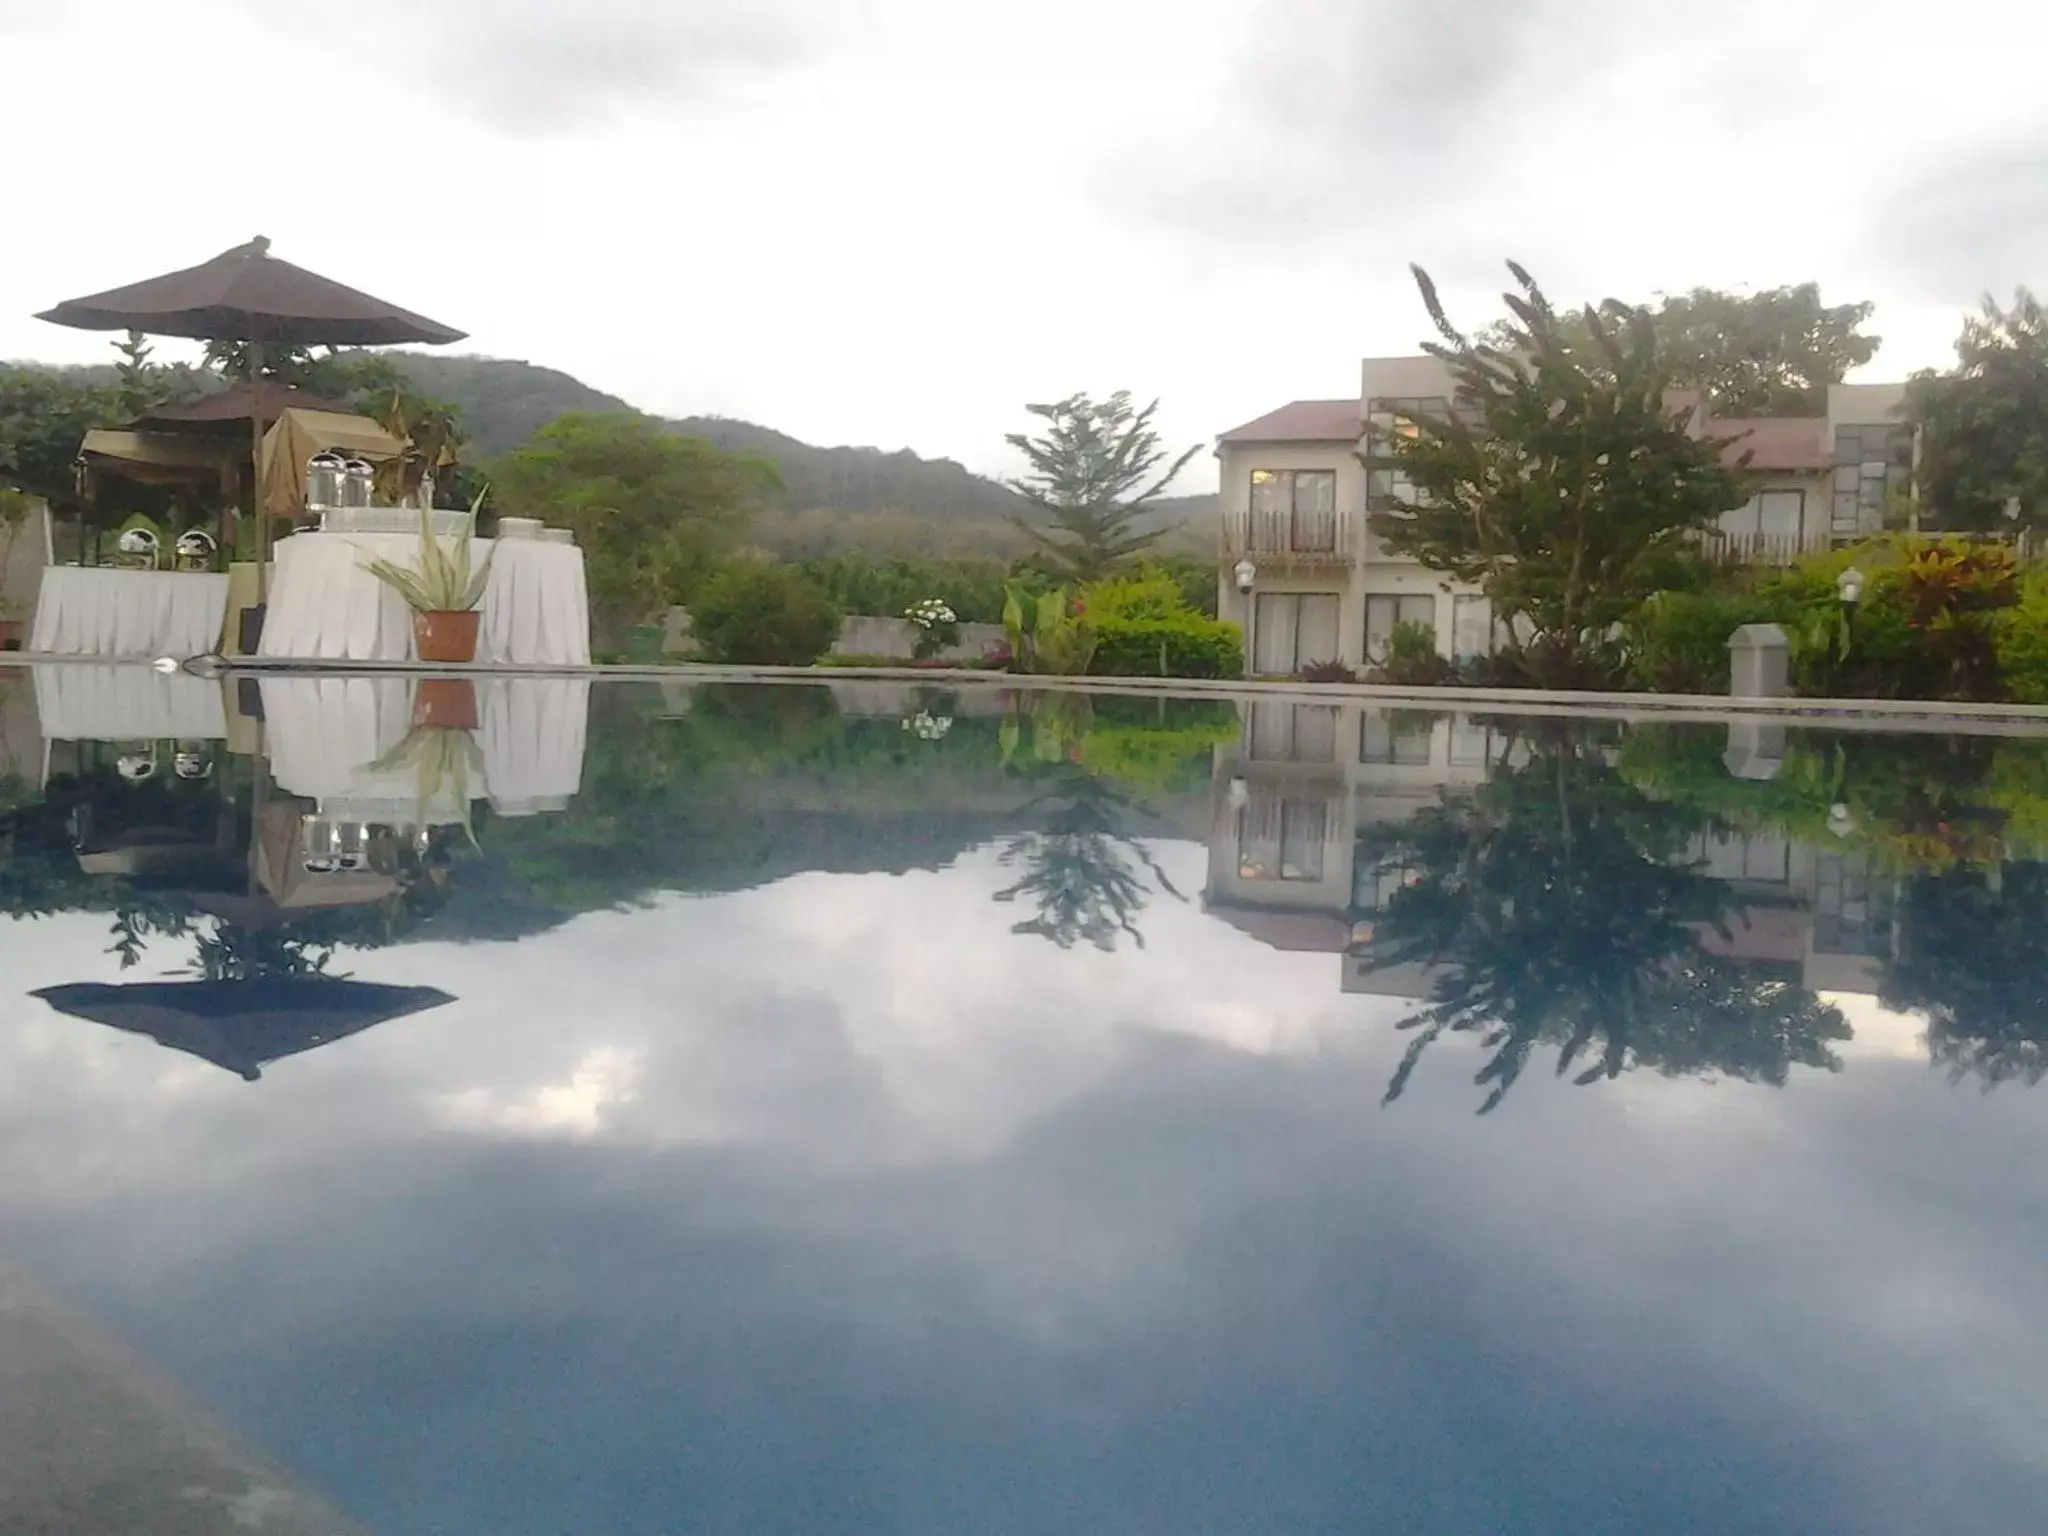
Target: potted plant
443, 592
443, 761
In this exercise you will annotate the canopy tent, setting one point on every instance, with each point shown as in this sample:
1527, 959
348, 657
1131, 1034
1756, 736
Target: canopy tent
248, 295
161, 458
234, 407
297, 435
151, 457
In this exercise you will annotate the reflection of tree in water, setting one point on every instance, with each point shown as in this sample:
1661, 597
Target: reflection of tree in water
1565, 910
1974, 957
1080, 868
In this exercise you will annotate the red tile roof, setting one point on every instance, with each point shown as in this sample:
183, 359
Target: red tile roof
1303, 932
1774, 442
1303, 421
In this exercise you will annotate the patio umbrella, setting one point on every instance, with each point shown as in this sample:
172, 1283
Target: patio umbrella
248, 295
243, 1025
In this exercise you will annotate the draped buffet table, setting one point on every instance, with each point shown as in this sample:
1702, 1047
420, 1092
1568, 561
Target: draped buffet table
100, 610
327, 733
110, 703
325, 604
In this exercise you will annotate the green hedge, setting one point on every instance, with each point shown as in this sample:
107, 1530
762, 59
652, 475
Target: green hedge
1185, 645
764, 615
2021, 637
1678, 641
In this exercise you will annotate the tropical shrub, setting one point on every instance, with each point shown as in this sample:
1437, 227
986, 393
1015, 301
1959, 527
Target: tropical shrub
764, 615
1145, 627
1185, 645
1326, 672
1047, 632
1678, 641
2020, 636
1412, 659
1925, 628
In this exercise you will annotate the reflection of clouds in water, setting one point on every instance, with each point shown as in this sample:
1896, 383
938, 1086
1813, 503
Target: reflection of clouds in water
721, 1199
603, 1078
1880, 1033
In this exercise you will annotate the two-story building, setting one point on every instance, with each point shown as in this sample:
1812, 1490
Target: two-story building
1296, 496
1292, 796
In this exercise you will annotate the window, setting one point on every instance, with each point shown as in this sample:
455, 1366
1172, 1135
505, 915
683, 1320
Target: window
1871, 462
1293, 733
1387, 417
1302, 824
1383, 610
1294, 509
1851, 911
1287, 846
1380, 742
1768, 514
1473, 632
1764, 858
1474, 744
1291, 629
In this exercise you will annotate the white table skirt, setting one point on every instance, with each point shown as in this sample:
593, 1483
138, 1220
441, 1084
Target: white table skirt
87, 703
325, 732
108, 611
324, 603
531, 730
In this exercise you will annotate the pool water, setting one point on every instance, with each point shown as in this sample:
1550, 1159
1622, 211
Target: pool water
698, 1108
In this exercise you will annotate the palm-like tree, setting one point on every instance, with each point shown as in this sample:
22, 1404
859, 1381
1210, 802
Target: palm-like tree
1561, 909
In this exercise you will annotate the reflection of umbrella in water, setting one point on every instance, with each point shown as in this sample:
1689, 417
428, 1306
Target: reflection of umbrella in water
240, 1025
248, 295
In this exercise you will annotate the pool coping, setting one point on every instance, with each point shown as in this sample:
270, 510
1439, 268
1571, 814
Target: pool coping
1615, 705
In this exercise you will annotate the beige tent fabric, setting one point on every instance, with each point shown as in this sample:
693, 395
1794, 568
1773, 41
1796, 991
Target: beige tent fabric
161, 458
298, 435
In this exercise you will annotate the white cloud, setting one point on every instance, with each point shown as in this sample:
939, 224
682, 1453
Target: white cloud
893, 223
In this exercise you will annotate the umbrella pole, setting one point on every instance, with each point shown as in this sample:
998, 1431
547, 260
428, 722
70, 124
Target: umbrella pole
256, 472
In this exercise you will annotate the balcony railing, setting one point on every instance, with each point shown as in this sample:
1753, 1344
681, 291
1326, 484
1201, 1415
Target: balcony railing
1292, 538
1785, 548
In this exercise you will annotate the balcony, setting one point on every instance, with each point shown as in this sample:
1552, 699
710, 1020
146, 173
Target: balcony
1283, 540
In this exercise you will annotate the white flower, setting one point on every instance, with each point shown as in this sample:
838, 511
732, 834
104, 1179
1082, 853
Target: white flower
926, 726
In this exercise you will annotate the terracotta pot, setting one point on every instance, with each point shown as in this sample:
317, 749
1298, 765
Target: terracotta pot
446, 636
446, 702
10, 634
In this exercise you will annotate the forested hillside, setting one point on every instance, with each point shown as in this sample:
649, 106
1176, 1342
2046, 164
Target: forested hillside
882, 502
833, 499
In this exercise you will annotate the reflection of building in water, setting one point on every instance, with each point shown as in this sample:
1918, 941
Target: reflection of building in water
1305, 778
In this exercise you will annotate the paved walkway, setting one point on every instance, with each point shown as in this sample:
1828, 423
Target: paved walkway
1506, 701
95, 1441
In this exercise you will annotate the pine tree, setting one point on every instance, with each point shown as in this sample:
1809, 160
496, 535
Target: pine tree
1092, 475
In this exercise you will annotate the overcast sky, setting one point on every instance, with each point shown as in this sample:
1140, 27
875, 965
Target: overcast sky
894, 221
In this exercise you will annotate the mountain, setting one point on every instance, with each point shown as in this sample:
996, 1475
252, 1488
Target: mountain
892, 502
504, 401
887, 502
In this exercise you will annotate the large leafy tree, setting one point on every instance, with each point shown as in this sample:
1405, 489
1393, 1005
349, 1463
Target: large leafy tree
1772, 353
1094, 471
1984, 443
1971, 957
1561, 909
1561, 482
655, 511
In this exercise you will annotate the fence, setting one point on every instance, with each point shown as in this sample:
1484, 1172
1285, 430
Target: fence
1784, 549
